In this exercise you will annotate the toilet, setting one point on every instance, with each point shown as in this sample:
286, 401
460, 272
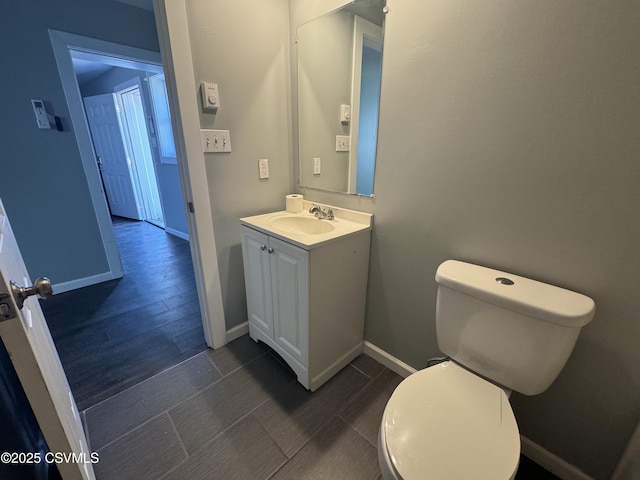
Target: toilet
500, 333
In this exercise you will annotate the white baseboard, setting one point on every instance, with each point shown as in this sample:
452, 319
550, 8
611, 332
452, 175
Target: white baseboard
388, 360
237, 331
320, 379
81, 282
556, 465
177, 233
535, 452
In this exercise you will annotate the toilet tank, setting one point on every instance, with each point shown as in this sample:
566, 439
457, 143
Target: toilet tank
514, 331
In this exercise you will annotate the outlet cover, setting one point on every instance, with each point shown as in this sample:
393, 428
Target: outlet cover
263, 168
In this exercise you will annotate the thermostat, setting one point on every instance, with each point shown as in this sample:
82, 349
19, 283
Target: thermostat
41, 114
209, 95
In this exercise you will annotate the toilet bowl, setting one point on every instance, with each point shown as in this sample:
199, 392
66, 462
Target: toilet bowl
444, 422
501, 332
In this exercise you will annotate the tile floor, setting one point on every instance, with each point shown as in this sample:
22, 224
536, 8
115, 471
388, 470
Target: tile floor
116, 334
238, 413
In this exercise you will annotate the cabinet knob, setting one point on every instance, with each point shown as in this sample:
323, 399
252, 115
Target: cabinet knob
263, 247
270, 250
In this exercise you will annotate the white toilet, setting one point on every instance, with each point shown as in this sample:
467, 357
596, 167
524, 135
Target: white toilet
501, 332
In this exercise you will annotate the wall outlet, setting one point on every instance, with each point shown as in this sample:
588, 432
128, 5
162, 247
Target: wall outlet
263, 168
343, 143
316, 165
215, 141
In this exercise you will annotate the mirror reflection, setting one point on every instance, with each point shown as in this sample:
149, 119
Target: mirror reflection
339, 71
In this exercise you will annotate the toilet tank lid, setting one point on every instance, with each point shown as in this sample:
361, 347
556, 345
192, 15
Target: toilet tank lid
530, 297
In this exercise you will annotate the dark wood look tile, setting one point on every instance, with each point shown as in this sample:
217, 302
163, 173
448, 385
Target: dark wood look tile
529, 470
144, 453
336, 452
252, 422
115, 334
243, 452
368, 366
123, 412
210, 412
236, 353
364, 413
294, 414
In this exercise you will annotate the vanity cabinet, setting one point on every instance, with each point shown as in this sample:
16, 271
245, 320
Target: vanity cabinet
307, 304
277, 286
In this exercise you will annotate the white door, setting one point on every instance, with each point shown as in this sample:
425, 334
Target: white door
257, 279
26, 337
134, 124
289, 286
115, 166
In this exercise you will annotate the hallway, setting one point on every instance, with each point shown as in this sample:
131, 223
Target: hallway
115, 334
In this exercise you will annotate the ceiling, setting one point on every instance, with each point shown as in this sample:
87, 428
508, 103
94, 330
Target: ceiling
88, 65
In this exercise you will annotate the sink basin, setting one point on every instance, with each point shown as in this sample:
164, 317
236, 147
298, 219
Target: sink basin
307, 232
302, 225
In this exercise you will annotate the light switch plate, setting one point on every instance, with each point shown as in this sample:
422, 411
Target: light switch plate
215, 141
343, 143
316, 165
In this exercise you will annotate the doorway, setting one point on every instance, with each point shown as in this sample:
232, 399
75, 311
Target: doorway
136, 140
126, 110
147, 316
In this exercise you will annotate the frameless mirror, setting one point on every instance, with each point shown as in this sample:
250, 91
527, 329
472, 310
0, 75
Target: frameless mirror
339, 72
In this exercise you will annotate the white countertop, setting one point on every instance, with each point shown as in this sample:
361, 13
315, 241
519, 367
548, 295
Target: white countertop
346, 223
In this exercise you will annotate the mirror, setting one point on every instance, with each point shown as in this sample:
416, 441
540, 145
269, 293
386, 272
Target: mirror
339, 73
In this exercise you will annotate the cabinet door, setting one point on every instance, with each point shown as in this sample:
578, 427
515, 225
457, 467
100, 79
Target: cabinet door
257, 279
289, 284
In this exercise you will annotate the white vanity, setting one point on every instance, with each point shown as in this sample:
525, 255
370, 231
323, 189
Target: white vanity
306, 280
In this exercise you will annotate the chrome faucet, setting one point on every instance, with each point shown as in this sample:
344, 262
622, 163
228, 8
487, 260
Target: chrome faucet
321, 213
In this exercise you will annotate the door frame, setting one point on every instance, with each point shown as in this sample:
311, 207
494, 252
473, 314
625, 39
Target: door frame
195, 189
141, 165
368, 34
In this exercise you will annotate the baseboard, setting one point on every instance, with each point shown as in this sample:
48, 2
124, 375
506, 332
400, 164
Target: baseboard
556, 465
388, 360
237, 331
177, 233
81, 282
317, 381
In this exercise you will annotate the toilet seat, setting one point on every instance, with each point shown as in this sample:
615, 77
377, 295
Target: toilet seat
444, 423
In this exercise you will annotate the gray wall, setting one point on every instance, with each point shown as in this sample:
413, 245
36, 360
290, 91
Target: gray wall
244, 48
509, 138
43, 184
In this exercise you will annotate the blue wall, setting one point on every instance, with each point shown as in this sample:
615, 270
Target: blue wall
43, 185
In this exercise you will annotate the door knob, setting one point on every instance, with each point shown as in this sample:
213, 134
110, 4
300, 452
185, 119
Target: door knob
42, 287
